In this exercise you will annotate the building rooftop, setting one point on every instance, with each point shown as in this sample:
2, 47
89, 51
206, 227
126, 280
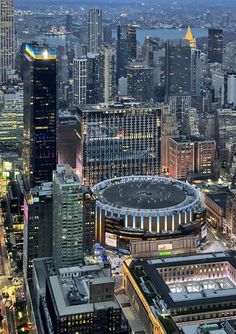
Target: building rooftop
145, 193
70, 287
192, 139
118, 106
40, 52
189, 292
219, 198
66, 175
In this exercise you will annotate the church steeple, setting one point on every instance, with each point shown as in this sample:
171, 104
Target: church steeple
190, 38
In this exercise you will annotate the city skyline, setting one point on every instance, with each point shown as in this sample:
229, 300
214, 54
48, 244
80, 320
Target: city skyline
117, 167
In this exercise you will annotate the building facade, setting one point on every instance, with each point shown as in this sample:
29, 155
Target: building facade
76, 299
70, 139
68, 246
11, 119
95, 31
79, 81
7, 58
40, 114
140, 82
215, 45
126, 48
226, 130
37, 225
120, 139
191, 155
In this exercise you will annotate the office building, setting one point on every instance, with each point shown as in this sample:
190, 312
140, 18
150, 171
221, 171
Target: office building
120, 139
107, 35
95, 31
126, 48
191, 156
215, 45
226, 129
192, 122
70, 139
229, 226
79, 81
76, 300
40, 113
68, 240
37, 225
133, 41
69, 23
182, 289
110, 85
6, 40
169, 129
89, 202
231, 89
11, 119
196, 73
216, 209
140, 82
95, 78
178, 69
229, 60
180, 105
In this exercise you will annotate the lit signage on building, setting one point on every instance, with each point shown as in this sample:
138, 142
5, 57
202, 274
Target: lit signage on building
165, 247
111, 239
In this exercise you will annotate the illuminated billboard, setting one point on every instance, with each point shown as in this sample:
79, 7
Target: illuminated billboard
111, 239
165, 247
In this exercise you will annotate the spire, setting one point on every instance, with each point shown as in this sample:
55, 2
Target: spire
189, 37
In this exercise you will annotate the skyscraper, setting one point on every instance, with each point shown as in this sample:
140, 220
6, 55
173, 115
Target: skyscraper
178, 68
68, 23
126, 48
6, 39
11, 119
67, 217
80, 80
110, 87
95, 78
37, 225
178, 76
120, 140
140, 82
215, 45
132, 41
40, 114
94, 30
191, 155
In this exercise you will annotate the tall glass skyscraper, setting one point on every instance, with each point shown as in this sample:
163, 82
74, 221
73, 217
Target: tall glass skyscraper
94, 30
215, 45
40, 114
6, 39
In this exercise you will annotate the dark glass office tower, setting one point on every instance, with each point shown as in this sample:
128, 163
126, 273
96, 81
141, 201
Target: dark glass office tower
133, 42
126, 48
178, 69
40, 114
215, 45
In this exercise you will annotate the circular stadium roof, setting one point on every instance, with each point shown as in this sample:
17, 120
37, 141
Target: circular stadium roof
145, 193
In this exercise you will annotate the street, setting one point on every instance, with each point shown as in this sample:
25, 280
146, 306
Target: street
8, 324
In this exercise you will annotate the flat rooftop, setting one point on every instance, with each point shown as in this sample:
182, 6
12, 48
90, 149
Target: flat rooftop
192, 139
190, 291
118, 105
145, 193
219, 198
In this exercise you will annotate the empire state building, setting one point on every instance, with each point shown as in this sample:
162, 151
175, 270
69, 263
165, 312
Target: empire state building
6, 39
